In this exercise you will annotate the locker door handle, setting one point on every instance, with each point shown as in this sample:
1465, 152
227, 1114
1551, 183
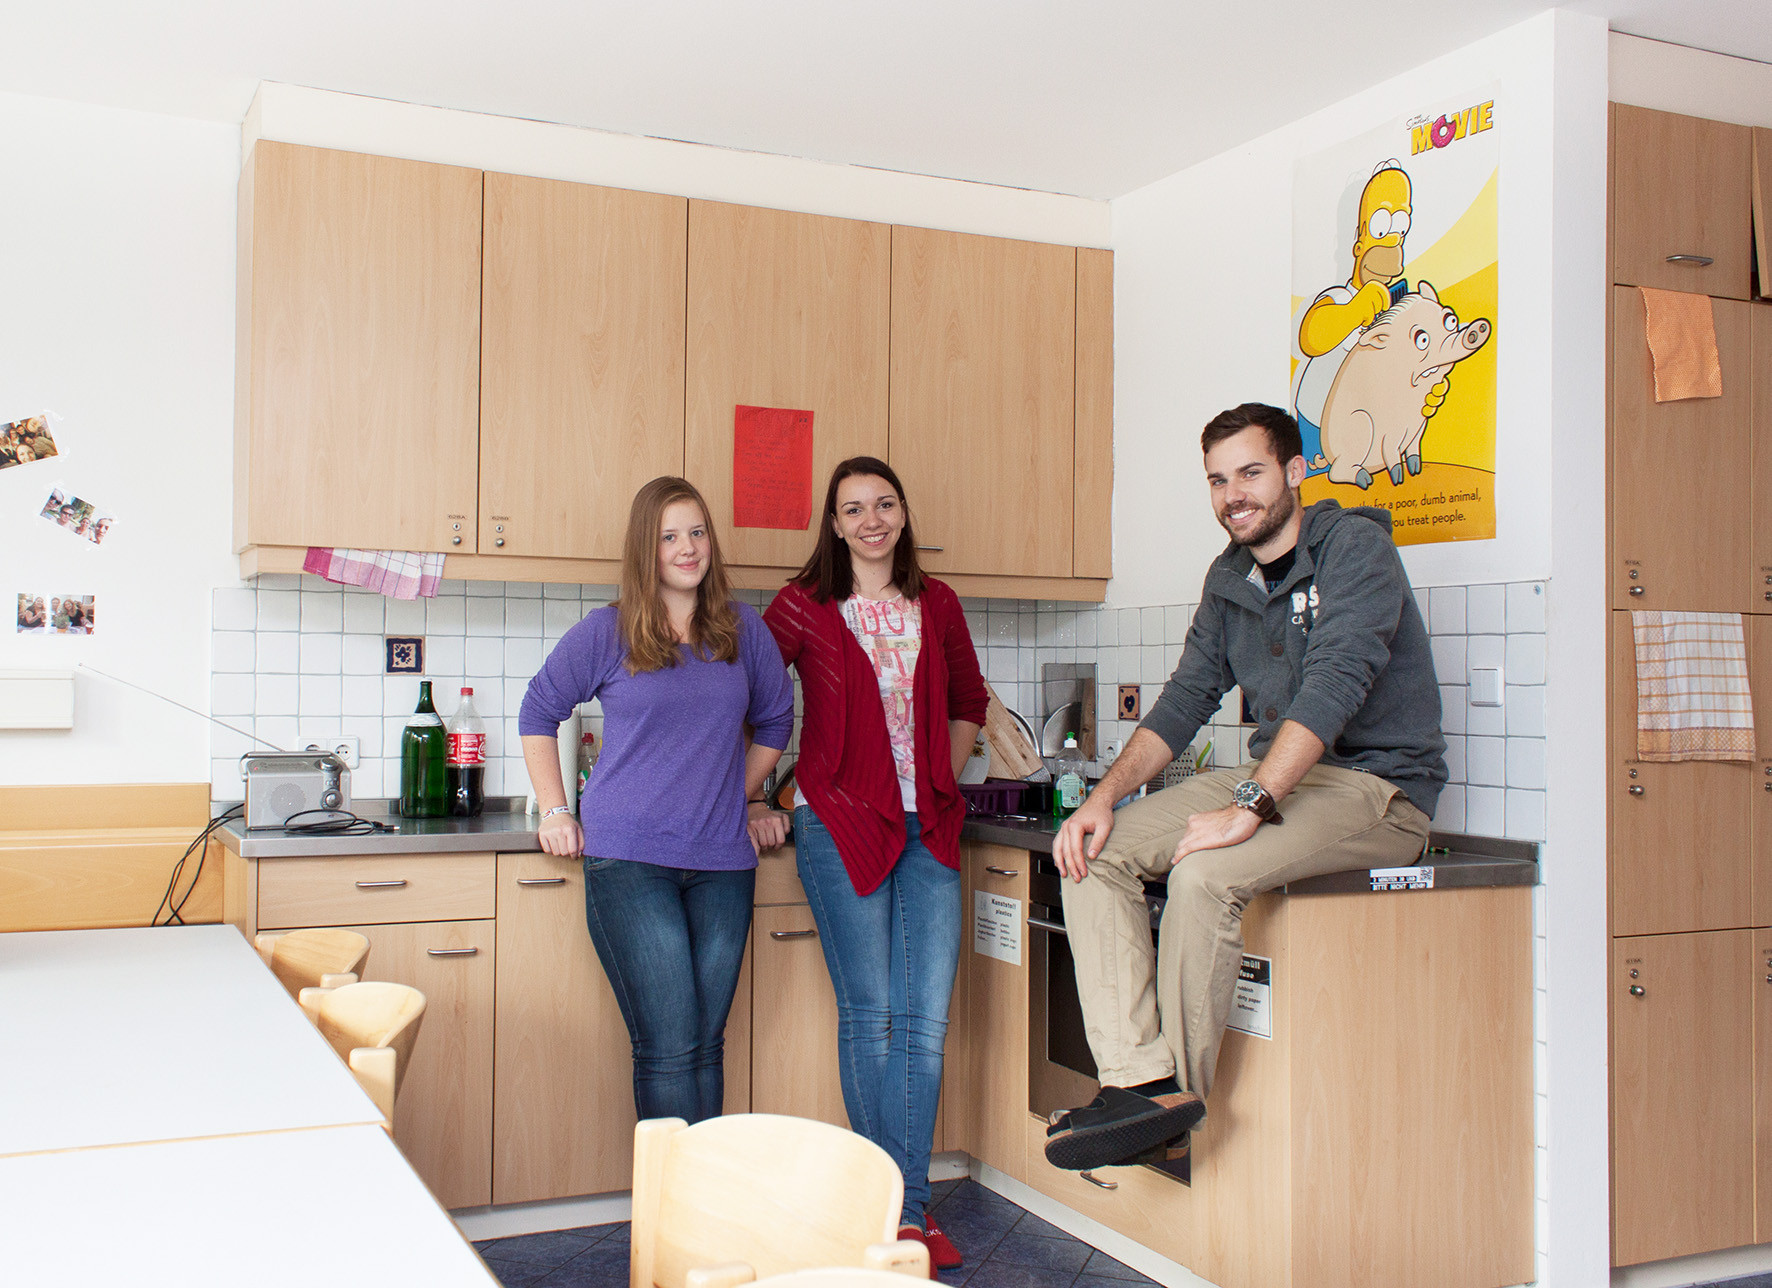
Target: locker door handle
1634, 790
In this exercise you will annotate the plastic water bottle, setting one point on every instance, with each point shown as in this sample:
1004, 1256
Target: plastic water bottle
1070, 783
467, 758
424, 785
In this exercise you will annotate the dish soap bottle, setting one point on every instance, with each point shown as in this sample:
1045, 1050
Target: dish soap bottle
424, 761
1069, 779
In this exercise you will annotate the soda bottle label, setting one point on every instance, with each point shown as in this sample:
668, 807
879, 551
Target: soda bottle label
467, 749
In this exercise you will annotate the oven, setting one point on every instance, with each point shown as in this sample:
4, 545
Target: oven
1061, 1070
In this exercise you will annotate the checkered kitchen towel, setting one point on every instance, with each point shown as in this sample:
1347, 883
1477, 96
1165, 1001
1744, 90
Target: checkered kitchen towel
400, 574
1692, 696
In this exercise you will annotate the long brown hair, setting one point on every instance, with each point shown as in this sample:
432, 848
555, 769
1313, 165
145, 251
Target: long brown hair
828, 574
645, 626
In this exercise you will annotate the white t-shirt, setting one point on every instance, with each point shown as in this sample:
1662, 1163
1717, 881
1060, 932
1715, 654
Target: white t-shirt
890, 632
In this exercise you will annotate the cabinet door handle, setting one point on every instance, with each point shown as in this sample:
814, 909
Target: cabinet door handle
1040, 923
935, 549
1637, 990
452, 952
1636, 590
1634, 789
1703, 261
380, 885
1095, 1180
793, 934
1002, 872
455, 541
541, 880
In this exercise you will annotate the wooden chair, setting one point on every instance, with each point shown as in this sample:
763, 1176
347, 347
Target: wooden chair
735, 1198
313, 958
372, 1026
833, 1277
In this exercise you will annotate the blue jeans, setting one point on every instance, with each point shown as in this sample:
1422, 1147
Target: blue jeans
892, 957
671, 941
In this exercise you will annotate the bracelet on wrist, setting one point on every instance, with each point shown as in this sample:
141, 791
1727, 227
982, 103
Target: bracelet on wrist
558, 809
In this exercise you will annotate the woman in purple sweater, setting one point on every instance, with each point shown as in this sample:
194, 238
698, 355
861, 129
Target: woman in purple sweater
670, 855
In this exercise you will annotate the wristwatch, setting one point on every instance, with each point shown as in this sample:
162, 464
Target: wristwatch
1255, 798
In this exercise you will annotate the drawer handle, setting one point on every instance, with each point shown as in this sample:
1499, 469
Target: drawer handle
933, 549
541, 880
1003, 872
380, 885
1040, 923
1097, 1181
452, 952
793, 934
1703, 261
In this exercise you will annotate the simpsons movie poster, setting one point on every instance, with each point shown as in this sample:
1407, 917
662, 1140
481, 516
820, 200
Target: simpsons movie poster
1394, 320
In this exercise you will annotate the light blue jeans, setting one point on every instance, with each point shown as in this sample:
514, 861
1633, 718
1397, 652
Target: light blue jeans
892, 957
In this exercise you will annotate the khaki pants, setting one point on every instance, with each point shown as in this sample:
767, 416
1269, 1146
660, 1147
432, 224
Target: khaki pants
1148, 1018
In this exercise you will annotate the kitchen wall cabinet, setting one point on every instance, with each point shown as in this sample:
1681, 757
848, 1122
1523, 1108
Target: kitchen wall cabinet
581, 369
490, 365
1681, 195
1680, 857
1680, 474
785, 310
983, 399
1759, 788
1683, 1093
356, 392
1759, 571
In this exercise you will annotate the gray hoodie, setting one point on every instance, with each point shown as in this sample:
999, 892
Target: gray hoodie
1338, 647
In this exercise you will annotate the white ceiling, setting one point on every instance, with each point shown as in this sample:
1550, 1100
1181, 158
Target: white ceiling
1092, 100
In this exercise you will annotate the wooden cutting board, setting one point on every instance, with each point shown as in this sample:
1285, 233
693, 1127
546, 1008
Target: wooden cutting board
1012, 755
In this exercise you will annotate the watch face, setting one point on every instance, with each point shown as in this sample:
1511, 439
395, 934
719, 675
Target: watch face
1250, 795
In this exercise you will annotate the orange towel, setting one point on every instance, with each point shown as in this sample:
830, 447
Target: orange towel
1683, 345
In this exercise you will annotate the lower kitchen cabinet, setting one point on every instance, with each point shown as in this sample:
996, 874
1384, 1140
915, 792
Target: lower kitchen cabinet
991, 1097
1685, 1027
793, 1019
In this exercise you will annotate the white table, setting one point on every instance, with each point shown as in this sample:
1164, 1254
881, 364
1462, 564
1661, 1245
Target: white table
170, 1033
332, 1205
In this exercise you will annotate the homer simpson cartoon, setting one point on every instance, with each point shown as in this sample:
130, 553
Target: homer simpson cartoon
1334, 320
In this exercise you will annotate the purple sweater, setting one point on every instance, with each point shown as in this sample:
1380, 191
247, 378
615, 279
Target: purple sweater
669, 785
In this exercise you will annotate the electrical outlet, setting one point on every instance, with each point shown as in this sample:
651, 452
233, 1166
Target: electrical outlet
1110, 752
347, 746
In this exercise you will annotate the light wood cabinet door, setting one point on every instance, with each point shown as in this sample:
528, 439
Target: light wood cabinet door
563, 1104
356, 402
1760, 981
443, 1114
1093, 543
1681, 194
1682, 1094
581, 389
983, 400
1679, 489
785, 310
1759, 570
1759, 665
997, 1018
1679, 833
793, 1019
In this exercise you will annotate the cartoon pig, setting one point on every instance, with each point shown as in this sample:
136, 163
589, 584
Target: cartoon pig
1373, 419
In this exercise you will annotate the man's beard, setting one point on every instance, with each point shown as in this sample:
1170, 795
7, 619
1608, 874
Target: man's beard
1274, 517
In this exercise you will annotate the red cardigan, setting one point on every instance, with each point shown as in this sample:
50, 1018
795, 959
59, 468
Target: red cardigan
845, 770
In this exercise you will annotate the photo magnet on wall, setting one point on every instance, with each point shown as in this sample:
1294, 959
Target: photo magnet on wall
26, 440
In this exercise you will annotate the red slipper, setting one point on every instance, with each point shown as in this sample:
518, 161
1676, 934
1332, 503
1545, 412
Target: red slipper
942, 1252
915, 1235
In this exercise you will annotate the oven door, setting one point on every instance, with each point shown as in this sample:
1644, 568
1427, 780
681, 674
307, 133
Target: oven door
1061, 1071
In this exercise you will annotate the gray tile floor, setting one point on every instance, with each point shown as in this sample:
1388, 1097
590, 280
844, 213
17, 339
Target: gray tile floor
1004, 1245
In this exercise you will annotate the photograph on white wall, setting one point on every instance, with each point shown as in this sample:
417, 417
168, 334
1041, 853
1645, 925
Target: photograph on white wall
26, 440
77, 516
33, 614
56, 614
1394, 319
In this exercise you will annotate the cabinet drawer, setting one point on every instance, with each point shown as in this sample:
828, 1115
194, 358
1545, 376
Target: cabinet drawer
361, 891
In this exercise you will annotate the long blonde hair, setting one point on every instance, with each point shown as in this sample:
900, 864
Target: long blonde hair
645, 626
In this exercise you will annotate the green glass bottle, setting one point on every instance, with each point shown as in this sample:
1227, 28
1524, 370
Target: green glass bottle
424, 761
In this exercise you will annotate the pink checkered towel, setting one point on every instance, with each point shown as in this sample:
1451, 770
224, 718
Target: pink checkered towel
401, 574
1692, 696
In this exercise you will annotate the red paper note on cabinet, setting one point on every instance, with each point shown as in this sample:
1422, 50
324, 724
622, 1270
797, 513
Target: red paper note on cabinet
771, 468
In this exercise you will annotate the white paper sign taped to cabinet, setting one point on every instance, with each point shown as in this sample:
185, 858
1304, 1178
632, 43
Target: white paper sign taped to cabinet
1252, 1009
996, 926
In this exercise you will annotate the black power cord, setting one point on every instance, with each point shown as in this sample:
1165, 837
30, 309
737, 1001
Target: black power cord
175, 907
336, 823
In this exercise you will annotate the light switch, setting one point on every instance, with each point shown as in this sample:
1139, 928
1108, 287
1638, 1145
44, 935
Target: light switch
1485, 686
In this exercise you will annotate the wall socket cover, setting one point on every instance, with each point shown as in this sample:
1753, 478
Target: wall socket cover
347, 745
1485, 686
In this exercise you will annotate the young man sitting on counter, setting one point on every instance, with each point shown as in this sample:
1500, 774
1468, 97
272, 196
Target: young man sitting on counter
1311, 613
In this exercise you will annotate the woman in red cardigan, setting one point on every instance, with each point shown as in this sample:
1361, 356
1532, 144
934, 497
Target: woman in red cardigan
893, 700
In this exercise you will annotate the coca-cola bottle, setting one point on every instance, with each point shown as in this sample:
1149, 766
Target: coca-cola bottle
467, 758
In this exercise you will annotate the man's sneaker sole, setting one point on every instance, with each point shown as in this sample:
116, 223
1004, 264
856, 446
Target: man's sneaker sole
1085, 1148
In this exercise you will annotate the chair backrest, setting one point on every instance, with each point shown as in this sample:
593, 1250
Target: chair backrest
313, 958
749, 1195
834, 1277
372, 1026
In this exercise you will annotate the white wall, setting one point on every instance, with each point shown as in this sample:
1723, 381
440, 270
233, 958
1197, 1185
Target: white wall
116, 311
1202, 296
1693, 82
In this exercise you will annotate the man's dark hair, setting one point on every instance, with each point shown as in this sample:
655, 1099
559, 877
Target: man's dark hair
1282, 430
